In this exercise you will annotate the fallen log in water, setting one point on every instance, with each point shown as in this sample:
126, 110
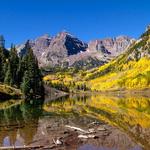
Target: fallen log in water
81, 130
87, 136
20, 147
27, 147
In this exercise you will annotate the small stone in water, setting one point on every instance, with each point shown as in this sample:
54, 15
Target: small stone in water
101, 129
91, 130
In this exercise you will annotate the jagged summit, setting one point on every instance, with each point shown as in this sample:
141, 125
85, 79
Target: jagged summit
64, 33
113, 46
65, 48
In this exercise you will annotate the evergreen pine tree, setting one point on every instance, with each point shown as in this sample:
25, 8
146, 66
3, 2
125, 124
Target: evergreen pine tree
13, 61
8, 76
2, 64
25, 86
32, 85
20, 72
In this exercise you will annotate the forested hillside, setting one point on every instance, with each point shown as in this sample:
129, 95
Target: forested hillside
21, 73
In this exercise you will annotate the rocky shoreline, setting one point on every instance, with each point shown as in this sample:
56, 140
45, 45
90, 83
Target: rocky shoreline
89, 134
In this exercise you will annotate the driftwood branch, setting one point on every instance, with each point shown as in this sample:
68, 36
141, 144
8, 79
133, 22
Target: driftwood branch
81, 130
87, 136
20, 147
27, 147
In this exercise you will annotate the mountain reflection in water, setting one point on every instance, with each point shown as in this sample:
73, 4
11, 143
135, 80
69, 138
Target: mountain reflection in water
128, 119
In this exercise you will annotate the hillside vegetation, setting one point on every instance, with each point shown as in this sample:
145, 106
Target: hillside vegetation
133, 75
130, 70
20, 72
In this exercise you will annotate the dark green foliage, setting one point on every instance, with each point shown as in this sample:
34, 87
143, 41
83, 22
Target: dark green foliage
22, 67
2, 64
60, 86
22, 72
25, 86
12, 66
32, 85
8, 76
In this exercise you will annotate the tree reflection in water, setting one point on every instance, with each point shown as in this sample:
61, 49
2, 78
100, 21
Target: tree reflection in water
130, 113
18, 124
128, 118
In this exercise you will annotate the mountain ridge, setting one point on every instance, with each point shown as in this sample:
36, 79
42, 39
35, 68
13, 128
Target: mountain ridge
128, 71
65, 50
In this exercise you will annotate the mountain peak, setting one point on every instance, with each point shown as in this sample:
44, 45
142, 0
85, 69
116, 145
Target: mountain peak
65, 47
115, 46
64, 34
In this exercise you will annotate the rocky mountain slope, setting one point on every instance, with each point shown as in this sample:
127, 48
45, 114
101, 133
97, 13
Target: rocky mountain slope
65, 50
113, 46
131, 70
128, 71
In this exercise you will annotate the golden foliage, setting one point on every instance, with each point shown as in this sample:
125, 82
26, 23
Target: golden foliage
125, 112
134, 75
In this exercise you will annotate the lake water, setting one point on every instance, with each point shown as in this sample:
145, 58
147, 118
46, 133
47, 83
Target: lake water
125, 118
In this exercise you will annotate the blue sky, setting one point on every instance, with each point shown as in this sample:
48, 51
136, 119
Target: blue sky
87, 19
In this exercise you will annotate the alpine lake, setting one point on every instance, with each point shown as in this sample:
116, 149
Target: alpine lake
77, 122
